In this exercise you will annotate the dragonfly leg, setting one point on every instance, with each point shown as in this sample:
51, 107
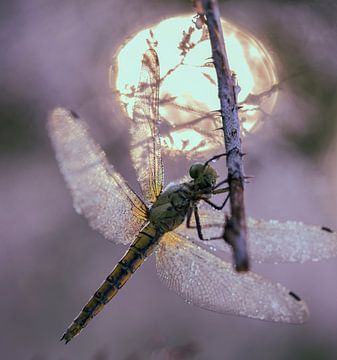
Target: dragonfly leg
216, 157
188, 219
220, 191
218, 207
221, 183
199, 228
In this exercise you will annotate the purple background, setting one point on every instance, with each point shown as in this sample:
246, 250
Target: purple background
57, 53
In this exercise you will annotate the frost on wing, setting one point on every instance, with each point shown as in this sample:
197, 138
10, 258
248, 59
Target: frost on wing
271, 240
145, 139
205, 280
98, 191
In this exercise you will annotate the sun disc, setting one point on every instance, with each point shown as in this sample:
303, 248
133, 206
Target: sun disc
188, 79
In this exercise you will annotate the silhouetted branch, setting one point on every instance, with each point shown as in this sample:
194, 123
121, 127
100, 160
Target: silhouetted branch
235, 228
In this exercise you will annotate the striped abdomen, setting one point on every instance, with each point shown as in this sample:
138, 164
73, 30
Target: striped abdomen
142, 247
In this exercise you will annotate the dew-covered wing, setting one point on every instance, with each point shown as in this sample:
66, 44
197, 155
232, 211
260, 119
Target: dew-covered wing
98, 191
205, 280
270, 240
145, 140
290, 241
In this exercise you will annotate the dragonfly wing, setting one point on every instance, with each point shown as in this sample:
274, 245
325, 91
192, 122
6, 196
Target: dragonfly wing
205, 280
145, 139
99, 192
272, 241
290, 241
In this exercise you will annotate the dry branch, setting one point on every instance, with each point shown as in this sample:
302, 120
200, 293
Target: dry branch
235, 232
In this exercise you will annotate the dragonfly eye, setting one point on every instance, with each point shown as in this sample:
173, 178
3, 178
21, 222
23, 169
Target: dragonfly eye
196, 170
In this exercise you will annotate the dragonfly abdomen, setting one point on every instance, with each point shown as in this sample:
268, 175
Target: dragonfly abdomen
142, 247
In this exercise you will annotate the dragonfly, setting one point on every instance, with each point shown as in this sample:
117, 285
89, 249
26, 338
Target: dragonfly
157, 223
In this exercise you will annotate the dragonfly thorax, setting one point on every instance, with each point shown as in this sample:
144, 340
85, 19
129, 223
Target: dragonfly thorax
204, 176
171, 207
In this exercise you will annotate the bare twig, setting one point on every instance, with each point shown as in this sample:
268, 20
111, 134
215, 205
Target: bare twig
235, 232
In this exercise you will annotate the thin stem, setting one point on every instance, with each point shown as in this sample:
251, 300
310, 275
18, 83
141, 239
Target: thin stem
235, 229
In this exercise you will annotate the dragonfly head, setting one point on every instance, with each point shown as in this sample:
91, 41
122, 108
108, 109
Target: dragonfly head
204, 176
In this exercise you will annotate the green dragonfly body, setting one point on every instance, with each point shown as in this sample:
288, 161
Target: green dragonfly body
199, 276
166, 214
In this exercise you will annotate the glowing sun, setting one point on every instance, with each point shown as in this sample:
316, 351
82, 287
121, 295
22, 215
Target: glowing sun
188, 86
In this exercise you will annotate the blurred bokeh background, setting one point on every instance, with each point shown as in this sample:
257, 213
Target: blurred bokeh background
57, 52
